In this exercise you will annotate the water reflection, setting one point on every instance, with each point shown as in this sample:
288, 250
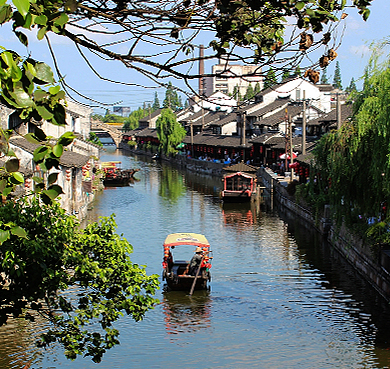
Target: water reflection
242, 215
171, 186
184, 313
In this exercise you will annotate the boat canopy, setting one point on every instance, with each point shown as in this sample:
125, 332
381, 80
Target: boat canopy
191, 239
242, 174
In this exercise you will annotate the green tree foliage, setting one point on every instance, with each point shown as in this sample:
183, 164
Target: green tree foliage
250, 93
237, 93
270, 79
44, 256
97, 117
94, 139
351, 89
169, 132
353, 162
257, 88
53, 255
337, 83
324, 78
132, 121
113, 118
286, 74
171, 99
298, 71
156, 102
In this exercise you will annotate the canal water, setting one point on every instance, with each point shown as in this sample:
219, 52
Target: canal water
279, 298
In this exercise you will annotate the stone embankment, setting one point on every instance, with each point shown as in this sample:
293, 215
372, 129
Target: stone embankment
374, 268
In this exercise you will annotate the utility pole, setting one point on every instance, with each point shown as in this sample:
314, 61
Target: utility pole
243, 133
304, 124
291, 146
192, 140
338, 110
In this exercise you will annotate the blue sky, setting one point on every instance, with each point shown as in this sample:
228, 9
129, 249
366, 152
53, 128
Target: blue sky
353, 55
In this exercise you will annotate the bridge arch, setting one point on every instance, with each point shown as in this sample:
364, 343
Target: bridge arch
109, 131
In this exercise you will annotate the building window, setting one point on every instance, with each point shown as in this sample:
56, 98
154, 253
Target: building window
14, 120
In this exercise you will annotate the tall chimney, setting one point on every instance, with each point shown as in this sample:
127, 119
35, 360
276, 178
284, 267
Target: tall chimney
201, 70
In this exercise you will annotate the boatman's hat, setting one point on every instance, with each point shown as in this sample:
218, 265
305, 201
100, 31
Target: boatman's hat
198, 249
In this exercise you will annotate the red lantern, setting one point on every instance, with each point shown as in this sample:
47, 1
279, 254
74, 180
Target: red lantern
68, 174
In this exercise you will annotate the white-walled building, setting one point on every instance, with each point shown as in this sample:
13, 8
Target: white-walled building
218, 101
228, 76
297, 89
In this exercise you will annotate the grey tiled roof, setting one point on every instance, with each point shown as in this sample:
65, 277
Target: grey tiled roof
331, 117
241, 167
68, 159
214, 140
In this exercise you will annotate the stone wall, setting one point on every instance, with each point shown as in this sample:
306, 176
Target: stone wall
375, 269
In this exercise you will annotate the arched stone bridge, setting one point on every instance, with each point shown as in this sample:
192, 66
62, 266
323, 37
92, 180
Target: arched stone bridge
106, 130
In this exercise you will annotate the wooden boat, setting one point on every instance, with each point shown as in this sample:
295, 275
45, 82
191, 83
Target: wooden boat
176, 272
114, 175
240, 183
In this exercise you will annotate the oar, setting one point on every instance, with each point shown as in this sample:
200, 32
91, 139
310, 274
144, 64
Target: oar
196, 275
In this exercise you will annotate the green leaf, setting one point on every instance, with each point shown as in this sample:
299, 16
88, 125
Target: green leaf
18, 231
23, 6
40, 153
30, 137
61, 20
37, 179
44, 73
58, 150
53, 191
71, 6
5, 14
41, 20
4, 236
17, 178
40, 94
41, 33
52, 178
300, 5
3, 185
22, 98
22, 38
59, 118
44, 113
54, 90
66, 139
12, 165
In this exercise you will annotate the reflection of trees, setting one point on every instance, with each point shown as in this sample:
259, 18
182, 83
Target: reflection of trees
185, 313
171, 185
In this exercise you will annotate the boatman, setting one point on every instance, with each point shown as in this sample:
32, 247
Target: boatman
195, 261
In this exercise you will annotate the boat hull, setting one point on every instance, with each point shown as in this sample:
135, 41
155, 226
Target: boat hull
184, 283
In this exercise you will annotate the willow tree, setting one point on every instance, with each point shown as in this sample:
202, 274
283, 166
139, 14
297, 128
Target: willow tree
353, 162
169, 132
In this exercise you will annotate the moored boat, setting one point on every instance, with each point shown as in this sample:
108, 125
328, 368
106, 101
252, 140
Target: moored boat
240, 183
177, 272
114, 175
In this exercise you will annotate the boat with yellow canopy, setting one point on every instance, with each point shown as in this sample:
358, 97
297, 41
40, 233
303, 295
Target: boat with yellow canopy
177, 272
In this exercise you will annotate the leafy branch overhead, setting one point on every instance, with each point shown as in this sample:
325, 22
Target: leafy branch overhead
250, 31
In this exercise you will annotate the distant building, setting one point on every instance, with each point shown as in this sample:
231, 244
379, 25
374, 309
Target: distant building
228, 76
124, 111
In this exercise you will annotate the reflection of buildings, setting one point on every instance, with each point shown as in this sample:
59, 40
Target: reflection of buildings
185, 313
240, 215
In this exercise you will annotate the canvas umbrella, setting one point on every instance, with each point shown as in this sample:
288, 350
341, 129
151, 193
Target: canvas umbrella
283, 156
